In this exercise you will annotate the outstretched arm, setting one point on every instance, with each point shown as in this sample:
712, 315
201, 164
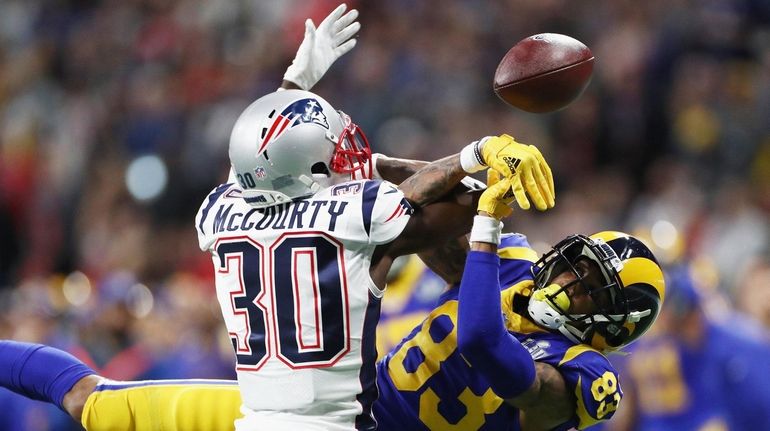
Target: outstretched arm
538, 389
43, 373
442, 215
434, 180
438, 213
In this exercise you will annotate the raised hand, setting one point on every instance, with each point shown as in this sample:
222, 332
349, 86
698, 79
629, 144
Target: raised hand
525, 166
322, 46
496, 198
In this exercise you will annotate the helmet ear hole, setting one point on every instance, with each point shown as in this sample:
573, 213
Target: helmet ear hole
320, 168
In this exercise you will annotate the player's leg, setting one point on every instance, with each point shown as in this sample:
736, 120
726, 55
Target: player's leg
75, 400
47, 374
163, 405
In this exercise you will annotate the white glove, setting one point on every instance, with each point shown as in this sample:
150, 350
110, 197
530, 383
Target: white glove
322, 46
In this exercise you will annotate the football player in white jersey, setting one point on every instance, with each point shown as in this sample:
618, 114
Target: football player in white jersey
301, 246
302, 242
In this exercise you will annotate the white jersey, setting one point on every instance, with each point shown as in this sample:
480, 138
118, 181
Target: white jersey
293, 284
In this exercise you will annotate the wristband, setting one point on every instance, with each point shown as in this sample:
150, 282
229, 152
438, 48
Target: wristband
470, 157
486, 229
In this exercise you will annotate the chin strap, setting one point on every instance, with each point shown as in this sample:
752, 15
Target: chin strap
541, 306
311, 183
544, 314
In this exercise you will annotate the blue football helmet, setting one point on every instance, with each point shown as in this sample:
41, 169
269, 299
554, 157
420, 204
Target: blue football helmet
626, 300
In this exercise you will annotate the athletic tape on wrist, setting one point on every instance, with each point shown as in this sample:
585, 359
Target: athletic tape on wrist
470, 158
486, 229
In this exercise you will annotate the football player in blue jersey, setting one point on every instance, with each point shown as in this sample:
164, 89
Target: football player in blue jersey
538, 365
696, 371
413, 289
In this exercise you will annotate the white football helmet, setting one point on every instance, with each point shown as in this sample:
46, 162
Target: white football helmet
292, 143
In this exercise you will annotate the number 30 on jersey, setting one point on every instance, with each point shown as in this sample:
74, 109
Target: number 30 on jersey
303, 272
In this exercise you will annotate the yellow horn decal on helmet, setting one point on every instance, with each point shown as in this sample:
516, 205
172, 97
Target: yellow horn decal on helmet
609, 235
545, 294
630, 326
598, 342
643, 270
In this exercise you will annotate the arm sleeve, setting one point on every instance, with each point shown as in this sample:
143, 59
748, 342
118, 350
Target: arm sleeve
202, 223
481, 335
385, 211
595, 383
39, 372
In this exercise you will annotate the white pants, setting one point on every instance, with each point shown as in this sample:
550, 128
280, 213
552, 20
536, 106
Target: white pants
284, 421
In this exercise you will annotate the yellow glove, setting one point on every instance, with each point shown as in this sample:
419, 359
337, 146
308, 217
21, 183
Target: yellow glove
525, 165
495, 199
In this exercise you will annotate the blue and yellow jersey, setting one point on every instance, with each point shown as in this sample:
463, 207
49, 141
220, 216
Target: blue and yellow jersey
410, 296
425, 384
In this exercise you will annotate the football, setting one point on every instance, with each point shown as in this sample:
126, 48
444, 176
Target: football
544, 73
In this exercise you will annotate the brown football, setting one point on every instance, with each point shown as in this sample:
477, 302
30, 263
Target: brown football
544, 72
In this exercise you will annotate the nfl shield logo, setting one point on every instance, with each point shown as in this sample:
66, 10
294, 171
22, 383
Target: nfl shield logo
260, 173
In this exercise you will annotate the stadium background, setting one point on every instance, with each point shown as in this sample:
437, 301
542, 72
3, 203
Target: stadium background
115, 118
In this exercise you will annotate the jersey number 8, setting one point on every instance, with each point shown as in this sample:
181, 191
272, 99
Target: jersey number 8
605, 391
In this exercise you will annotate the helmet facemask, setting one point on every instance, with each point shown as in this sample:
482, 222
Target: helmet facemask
352, 154
595, 268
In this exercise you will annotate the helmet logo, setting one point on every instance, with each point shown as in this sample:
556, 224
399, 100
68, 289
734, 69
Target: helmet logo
260, 173
300, 112
306, 111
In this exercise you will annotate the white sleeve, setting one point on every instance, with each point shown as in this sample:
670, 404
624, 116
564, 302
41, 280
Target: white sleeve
390, 211
203, 225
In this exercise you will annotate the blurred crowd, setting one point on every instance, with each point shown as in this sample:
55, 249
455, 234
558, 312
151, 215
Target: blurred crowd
115, 117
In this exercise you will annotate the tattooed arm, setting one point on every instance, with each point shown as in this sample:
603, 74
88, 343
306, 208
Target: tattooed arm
433, 180
448, 261
439, 215
397, 170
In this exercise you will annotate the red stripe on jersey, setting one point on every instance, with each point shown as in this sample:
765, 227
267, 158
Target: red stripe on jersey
395, 213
